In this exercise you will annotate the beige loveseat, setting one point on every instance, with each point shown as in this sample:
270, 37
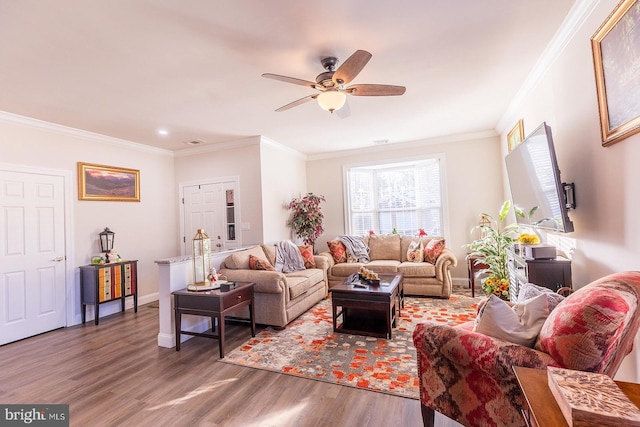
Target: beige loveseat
388, 254
279, 297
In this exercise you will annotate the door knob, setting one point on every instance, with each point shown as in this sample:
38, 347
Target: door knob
58, 259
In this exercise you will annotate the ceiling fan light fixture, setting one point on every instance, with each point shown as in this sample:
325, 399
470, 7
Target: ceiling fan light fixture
331, 100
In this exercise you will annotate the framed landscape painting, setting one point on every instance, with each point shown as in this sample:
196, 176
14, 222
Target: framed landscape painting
616, 58
100, 182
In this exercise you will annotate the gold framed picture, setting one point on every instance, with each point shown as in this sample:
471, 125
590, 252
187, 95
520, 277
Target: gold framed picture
108, 183
515, 135
616, 59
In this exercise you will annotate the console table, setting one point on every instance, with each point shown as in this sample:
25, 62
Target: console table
100, 283
541, 407
551, 273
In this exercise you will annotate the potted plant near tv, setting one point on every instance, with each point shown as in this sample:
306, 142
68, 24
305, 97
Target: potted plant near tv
491, 249
306, 217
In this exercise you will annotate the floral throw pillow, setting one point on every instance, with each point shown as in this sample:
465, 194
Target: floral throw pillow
338, 251
256, 263
307, 256
415, 252
433, 250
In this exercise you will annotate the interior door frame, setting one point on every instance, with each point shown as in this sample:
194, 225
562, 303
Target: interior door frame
214, 180
72, 295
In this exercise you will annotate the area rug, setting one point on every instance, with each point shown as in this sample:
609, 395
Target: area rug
309, 348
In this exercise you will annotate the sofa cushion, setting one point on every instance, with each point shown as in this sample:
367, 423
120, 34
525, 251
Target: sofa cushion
417, 269
270, 252
256, 263
345, 269
433, 250
384, 246
240, 260
298, 285
338, 251
307, 256
384, 266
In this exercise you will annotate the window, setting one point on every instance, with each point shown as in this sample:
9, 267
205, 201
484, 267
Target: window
406, 195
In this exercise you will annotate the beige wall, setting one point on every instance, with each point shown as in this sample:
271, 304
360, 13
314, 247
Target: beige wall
607, 230
144, 230
283, 178
473, 181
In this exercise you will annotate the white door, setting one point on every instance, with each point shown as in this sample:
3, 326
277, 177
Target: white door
202, 206
32, 252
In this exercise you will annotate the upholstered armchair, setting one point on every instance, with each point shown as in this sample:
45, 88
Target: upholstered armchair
469, 377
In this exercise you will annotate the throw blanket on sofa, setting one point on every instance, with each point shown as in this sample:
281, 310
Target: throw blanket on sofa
288, 257
356, 249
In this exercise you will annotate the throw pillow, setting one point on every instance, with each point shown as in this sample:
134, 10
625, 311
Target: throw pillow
415, 251
529, 290
519, 324
433, 250
338, 251
256, 263
307, 256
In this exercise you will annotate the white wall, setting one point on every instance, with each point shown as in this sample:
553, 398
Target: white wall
144, 230
283, 178
607, 230
234, 158
473, 166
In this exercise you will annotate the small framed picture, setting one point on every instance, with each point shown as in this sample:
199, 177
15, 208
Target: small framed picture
515, 136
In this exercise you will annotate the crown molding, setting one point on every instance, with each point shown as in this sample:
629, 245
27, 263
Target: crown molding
406, 145
30, 122
574, 20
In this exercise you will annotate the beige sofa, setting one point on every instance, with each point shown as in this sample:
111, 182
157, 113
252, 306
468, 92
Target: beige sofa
279, 297
388, 254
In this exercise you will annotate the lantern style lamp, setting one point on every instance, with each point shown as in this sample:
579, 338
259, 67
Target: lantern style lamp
201, 258
106, 242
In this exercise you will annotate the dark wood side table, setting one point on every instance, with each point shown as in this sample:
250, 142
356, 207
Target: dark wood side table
215, 304
541, 407
472, 268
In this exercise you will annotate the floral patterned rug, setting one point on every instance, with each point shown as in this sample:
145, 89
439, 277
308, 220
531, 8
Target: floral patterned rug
309, 348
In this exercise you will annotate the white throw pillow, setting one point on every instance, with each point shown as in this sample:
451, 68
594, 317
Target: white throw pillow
519, 324
414, 253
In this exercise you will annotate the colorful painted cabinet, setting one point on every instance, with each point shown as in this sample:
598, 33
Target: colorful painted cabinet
108, 282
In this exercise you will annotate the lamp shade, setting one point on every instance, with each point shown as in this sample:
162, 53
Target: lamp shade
331, 100
106, 240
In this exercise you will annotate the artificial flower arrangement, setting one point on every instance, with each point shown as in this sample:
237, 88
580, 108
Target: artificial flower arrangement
306, 217
528, 239
498, 287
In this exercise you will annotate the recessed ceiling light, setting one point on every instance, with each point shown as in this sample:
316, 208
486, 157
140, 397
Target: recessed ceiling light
163, 132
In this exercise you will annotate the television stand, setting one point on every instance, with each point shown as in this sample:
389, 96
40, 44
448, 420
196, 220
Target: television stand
552, 273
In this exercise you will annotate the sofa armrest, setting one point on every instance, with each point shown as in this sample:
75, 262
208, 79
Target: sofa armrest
329, 259
323, 264
268, 282
474, 351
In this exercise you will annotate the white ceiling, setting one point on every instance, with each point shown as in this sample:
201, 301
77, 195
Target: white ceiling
125, 68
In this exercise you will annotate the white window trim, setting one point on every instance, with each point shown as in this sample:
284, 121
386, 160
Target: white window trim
443, 183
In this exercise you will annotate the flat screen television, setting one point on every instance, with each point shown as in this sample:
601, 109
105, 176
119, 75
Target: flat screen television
534, 178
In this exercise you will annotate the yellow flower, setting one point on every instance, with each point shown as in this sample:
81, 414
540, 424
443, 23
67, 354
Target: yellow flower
528, 239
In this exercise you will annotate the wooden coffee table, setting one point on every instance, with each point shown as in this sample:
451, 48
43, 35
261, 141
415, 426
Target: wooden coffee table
368, 309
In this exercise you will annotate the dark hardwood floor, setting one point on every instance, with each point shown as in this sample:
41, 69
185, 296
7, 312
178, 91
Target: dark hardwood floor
114, 374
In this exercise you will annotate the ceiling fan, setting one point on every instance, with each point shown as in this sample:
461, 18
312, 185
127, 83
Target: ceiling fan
331, 83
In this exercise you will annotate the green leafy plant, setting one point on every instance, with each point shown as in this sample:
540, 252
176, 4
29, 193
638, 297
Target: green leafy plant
306, 217
491, 249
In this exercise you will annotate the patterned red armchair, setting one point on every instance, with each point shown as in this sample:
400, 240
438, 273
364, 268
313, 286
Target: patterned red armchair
469, 377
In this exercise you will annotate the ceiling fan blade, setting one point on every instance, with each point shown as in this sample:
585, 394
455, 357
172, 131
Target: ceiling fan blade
290, 80
351, 67
297, 102
375, 90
